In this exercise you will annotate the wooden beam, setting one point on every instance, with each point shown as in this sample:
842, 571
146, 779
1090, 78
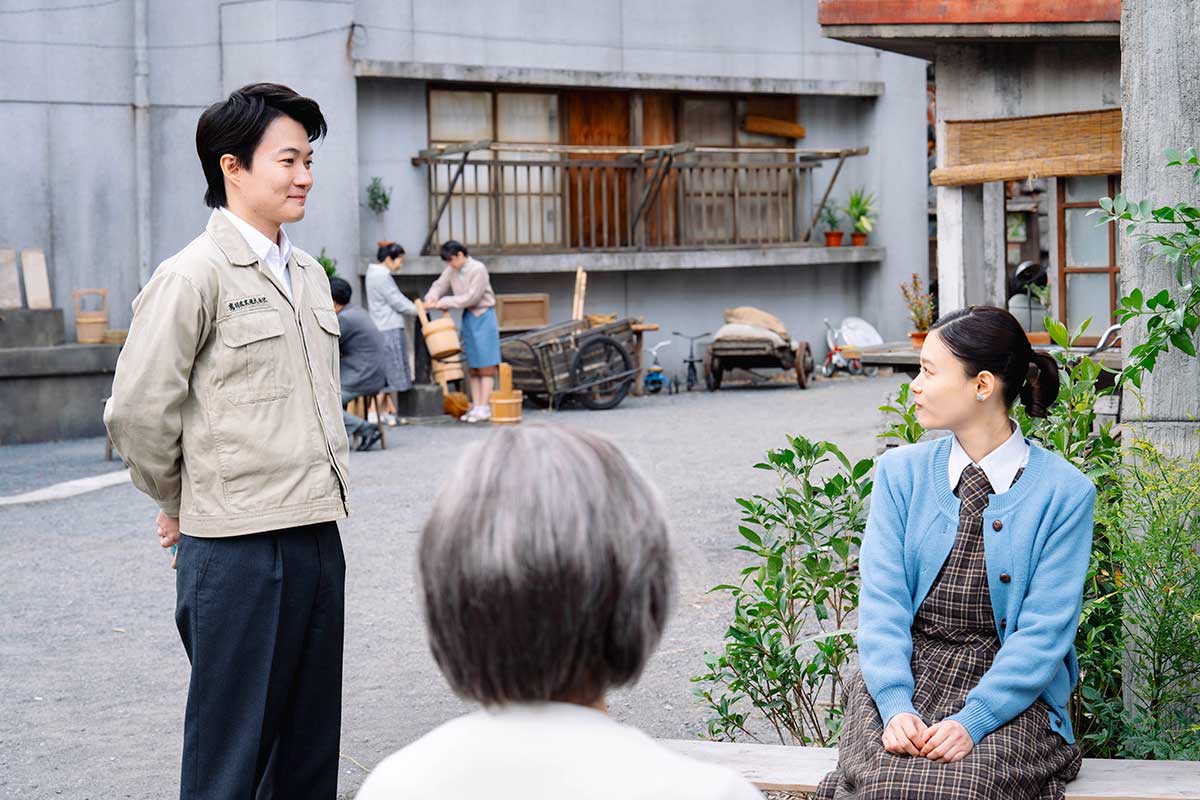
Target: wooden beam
769, 126
438, 151
956, 12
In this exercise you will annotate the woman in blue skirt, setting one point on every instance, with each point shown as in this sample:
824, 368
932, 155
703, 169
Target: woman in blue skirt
465, 284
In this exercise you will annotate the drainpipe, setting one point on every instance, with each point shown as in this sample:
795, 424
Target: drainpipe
141, 128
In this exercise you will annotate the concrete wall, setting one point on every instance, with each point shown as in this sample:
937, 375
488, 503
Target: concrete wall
692, 301
72, 166
1162, 80
776, 39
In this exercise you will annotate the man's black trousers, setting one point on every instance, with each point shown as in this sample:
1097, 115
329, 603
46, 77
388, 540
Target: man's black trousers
262, 618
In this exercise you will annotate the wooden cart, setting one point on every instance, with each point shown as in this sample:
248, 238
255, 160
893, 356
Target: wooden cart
571, 360
726, 354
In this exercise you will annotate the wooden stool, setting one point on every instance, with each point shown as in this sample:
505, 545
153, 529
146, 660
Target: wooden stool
362, 406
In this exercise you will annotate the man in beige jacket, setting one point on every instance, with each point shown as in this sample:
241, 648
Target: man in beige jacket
226, 406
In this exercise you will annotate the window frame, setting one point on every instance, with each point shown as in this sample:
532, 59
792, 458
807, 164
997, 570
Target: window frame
1112, 269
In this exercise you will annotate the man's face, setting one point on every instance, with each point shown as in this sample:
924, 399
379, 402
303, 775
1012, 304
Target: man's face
280, 175
458, 260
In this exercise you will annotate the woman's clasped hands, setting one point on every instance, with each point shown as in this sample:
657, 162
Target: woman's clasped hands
946, 741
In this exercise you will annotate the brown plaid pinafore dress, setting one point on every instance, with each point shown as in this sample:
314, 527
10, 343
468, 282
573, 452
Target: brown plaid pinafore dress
954, 642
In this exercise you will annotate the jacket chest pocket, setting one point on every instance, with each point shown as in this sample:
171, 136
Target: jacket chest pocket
327, 320
254, 356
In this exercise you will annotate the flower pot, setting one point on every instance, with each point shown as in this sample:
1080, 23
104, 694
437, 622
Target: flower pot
858, 239
1038, 337
834, 238
917, 338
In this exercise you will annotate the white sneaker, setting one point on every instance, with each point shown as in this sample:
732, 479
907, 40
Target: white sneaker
372, 418
470, 416
390, 420
484, 415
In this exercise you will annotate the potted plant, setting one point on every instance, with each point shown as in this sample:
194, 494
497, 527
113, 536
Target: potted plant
920, 309
832, 221
861, 209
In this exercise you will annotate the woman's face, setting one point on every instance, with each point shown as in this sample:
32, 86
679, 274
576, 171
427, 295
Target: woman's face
394, 263
943, 392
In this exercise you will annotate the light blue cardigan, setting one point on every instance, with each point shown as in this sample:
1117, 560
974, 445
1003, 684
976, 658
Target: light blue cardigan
1039, 533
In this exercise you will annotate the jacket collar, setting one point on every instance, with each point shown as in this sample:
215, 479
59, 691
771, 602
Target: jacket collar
235, 248
231, 243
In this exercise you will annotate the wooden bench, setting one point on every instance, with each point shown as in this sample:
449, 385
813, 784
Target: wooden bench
800, 769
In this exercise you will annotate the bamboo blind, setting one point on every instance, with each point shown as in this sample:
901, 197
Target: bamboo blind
1080, 143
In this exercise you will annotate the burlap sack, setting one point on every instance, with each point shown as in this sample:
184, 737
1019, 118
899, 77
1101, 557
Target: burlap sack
749, 315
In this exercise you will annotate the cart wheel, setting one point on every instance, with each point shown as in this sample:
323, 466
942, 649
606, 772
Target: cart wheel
598, 358
804, 366
856, 367
712, 373
827, 369
870, 372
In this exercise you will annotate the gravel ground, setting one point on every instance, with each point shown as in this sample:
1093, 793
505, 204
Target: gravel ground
93, 677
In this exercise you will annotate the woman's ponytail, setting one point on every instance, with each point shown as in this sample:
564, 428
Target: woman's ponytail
1040, 389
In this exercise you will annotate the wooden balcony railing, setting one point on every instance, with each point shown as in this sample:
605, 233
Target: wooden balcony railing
521, 198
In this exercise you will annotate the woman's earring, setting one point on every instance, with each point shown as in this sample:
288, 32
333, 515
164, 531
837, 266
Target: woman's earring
979, 397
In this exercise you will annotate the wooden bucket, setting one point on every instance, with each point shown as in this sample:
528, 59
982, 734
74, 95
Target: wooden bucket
441, 337
448, 369
90, 326
506, 406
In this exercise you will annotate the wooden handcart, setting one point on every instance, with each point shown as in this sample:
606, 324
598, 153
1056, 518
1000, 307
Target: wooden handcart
594, 366
723, 355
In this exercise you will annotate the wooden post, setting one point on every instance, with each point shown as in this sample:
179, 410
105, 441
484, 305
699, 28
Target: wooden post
580, 293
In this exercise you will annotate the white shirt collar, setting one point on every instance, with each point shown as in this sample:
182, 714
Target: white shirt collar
268, 252
1001, 465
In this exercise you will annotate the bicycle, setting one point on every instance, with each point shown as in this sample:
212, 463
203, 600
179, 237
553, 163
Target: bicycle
693, 374
843, 356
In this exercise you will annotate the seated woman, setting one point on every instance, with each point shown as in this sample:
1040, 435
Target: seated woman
973, 566
547, 579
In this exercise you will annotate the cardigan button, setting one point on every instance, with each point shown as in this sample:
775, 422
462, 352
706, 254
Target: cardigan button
1005, 577
1058, 722
997, 525
1004, 622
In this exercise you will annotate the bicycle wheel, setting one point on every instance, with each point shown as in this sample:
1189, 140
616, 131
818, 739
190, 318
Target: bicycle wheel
827, 368
871, 372
855, 367
603, 362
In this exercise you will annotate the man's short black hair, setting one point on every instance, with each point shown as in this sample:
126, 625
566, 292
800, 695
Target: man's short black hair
453, 248
340, 290
235, 126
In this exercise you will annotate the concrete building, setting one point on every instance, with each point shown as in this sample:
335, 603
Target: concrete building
1028, 95
101, 100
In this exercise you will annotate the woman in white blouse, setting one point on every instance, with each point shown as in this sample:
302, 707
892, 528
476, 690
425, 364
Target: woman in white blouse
389, 310
537, 602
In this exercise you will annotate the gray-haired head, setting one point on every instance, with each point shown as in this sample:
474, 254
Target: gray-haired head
545, 568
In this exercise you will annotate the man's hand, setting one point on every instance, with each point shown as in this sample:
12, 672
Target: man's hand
905, 735
947, 741
168, 531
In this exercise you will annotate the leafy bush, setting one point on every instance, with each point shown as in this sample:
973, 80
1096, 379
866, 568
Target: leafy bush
378, 197
788, 650
328, 263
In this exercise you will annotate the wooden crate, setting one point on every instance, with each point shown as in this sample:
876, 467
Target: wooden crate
522, 312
